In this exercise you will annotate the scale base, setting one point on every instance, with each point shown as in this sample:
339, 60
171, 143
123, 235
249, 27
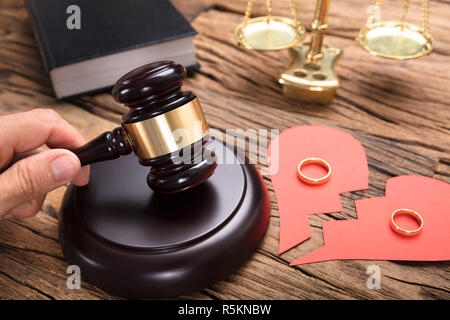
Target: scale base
308, 95
307, 81
135, 243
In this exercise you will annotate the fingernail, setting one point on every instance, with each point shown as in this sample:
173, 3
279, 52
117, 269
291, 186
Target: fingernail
64, 168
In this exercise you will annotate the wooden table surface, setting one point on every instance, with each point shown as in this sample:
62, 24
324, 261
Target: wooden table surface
400, 111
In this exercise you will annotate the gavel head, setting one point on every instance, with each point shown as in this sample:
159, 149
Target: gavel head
165, 126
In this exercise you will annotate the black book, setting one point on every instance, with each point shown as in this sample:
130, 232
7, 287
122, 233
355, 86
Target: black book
87, 45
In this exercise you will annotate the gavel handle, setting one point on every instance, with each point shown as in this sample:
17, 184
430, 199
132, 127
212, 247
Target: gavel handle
107, 146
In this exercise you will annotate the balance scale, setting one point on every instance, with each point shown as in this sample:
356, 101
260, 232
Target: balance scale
310, 76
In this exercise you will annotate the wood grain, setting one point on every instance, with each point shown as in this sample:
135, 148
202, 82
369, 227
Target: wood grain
398, 110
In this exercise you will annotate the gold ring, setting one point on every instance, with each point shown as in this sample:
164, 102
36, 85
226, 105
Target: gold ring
404, 232
309, 180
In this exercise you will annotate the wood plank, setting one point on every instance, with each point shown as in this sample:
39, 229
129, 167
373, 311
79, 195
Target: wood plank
192, 9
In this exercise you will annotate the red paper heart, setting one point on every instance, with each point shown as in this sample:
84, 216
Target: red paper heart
296, 199
370, 237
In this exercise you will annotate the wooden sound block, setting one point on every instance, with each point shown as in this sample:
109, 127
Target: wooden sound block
133, 242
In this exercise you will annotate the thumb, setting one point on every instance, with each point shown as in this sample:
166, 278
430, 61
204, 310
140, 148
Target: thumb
35, 176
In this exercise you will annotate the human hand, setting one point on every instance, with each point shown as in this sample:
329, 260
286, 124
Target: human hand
28, 173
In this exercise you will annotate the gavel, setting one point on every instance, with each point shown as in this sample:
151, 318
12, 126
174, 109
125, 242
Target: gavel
158, 111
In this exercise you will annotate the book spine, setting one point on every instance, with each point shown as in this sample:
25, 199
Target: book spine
41, 40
